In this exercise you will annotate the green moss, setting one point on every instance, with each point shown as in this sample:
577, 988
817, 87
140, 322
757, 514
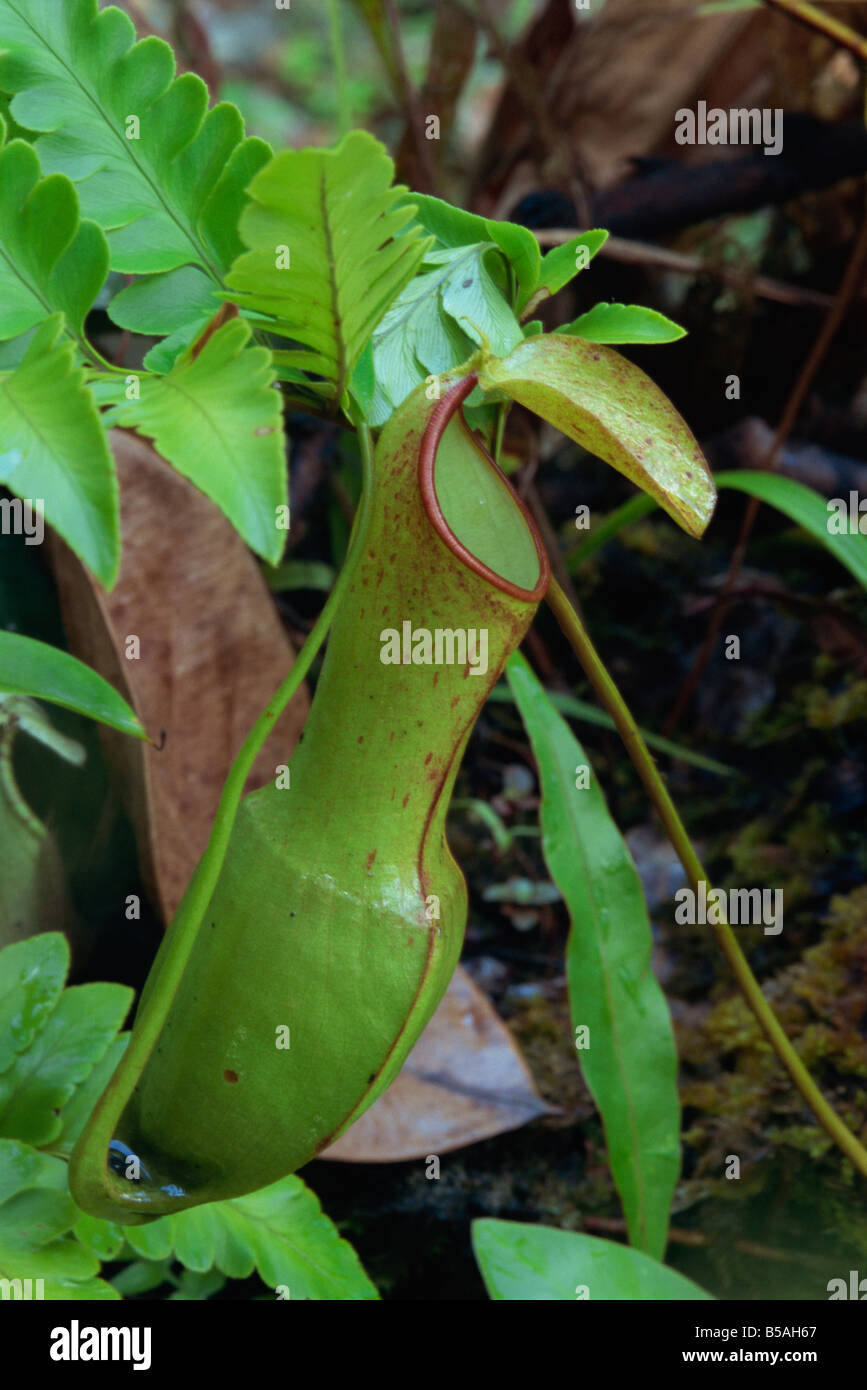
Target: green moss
738, 1100
826, 711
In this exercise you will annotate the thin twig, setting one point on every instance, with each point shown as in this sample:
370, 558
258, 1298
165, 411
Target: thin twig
617, 1226
558, 564
335, 37
596, 672
660, 258
822, 23
525, 81
413, 110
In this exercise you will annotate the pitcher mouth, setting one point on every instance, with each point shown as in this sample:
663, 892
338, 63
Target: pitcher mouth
448, 407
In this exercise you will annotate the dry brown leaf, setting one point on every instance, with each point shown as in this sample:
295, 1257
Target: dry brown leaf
450, 61
464, 1081
615, 82
213, 651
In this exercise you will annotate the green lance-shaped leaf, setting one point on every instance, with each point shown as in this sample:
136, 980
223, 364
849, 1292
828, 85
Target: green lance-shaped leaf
623, 323
614, 410
329, 249
523, 1263
49, 259
28, 667
53, 450
561, 265
803, 506
218, 419
275, 1017
159, 172
627, 1052
592, 714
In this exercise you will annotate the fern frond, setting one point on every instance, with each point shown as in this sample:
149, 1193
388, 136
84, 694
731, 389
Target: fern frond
53, 450
50, 259
330, 247
217, 419
159, 172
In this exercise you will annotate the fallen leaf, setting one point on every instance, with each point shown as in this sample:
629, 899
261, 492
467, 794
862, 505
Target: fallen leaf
595, 69
464, 1081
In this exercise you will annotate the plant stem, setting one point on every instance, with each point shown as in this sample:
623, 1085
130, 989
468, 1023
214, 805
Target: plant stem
414, 115
499, 432
344, 110
613, 701
822, 23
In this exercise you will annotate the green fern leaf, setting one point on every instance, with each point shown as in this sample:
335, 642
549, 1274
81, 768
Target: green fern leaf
11, 130
438, 321
159, 305
49, 259
330, 248
280, 1231
159, 172
53, 451
217, 418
